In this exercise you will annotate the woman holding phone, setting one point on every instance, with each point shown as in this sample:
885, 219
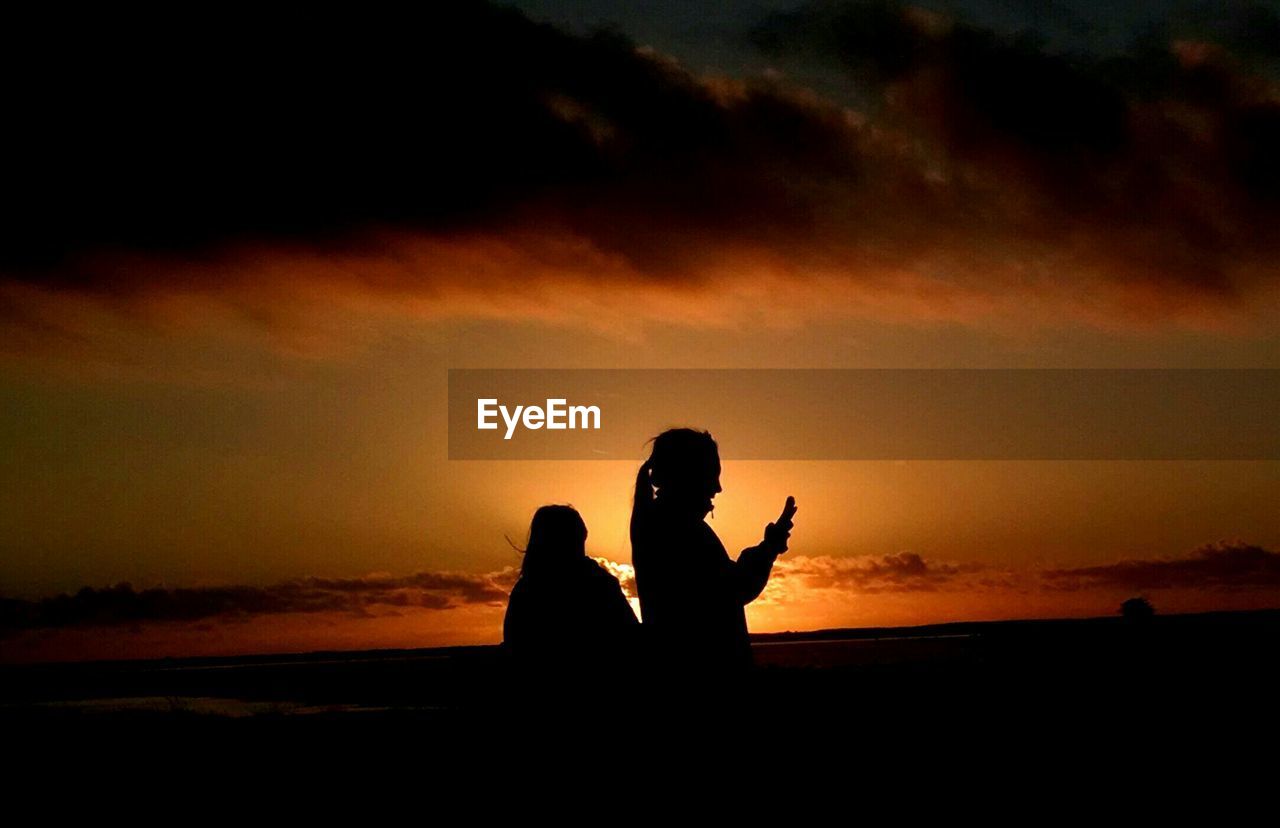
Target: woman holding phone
691, 592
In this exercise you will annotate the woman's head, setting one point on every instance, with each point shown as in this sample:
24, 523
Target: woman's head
684, 467
557, 534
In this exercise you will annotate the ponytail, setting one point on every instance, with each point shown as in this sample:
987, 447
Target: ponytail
642, 503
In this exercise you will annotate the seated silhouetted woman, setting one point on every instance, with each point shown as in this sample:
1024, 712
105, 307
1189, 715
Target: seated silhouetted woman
566, 612
692, 594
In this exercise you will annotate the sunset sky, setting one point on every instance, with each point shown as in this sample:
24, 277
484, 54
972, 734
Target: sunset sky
238, 259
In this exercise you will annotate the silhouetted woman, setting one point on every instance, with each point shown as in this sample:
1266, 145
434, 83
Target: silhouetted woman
692, 593
566, 612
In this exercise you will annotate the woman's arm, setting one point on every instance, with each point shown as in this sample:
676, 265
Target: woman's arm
755, 564
752, 569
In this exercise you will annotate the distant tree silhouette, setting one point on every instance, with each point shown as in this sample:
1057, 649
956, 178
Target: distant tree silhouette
1137, 609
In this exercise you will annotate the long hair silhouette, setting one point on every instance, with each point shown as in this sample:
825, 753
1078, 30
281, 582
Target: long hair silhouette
566, 612
557, 537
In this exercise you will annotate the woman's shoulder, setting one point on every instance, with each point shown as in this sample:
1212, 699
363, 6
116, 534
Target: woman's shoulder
597, 571
519, 588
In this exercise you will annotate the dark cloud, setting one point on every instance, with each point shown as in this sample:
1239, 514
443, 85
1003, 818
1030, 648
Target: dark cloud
457, 116
1151, 165
982, 95
976, 163
124, 605
1225, 566
1249, 29
269, 125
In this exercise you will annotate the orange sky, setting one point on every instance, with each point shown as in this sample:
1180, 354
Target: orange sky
334, 466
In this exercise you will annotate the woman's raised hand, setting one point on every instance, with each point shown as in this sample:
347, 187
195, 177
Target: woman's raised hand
777, 534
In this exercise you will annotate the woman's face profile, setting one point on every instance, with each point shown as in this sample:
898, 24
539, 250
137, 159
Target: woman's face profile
711, 485
697, 487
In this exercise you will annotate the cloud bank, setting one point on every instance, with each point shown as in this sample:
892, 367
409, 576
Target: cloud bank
122, 605
461, 160
902, 572
438, 608
1213, 568
1219, 566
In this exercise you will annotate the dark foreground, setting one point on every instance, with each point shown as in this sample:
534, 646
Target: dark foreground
1107, 686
